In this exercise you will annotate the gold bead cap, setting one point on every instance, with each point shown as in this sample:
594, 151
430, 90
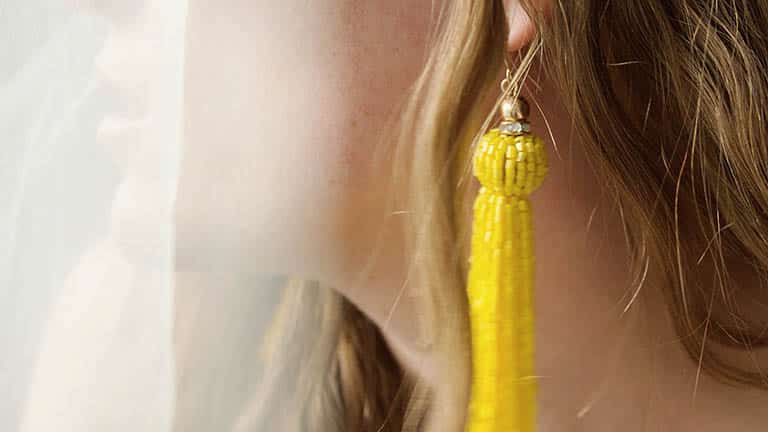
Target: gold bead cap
514, 113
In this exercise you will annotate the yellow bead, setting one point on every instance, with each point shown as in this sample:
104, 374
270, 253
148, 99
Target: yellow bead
510, 165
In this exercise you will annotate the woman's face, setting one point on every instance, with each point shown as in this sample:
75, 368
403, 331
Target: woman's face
284, 104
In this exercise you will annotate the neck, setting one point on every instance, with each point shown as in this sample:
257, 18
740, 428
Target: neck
635, 376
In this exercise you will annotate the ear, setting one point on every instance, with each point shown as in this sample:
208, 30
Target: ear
521, 28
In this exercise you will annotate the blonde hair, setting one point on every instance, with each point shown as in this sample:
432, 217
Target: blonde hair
669, 100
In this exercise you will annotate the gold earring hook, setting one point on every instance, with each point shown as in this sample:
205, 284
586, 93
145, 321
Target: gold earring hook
514, 107
506, 83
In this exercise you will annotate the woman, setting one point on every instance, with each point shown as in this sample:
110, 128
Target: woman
650, 229
331, 141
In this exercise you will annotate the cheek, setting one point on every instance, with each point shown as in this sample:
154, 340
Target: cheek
283, 110
379, 52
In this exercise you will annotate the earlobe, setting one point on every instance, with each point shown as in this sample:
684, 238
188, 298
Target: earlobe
521, 27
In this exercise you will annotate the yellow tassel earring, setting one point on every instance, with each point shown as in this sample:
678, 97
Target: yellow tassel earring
510, 163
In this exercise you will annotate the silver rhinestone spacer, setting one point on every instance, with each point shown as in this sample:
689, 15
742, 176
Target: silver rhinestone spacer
514, 128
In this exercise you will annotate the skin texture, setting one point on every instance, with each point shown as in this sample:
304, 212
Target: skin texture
282, 173
289, 184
